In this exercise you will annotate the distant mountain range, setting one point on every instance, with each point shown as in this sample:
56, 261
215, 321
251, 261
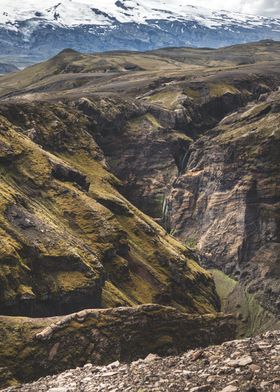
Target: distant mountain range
7, 68
45, 27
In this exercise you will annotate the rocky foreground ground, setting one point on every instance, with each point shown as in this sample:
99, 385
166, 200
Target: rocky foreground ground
248, 365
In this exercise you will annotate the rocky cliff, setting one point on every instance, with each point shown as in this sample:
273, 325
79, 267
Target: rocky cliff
229, 196
202, 159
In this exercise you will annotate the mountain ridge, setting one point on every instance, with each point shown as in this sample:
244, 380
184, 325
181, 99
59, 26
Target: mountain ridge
71, 13
124, 24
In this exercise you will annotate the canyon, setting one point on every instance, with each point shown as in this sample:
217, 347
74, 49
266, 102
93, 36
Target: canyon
139, 205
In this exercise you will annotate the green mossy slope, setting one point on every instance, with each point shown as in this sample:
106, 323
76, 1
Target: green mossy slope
68, 233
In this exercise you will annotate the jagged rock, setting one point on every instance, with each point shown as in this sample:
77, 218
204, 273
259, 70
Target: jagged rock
242, 361
64, 173
151, 357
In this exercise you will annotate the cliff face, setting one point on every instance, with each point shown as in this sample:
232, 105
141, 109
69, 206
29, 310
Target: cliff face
149, 146
229, 197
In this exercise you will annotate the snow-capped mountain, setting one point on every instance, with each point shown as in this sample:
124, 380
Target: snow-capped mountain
47, 26
72, 13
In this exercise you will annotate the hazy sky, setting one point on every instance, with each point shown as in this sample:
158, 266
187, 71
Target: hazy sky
260, 7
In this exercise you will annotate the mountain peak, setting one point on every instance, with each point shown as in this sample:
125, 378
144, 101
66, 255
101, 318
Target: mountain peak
68, 51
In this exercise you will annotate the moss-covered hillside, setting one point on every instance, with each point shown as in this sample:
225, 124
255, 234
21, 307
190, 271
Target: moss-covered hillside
69, 239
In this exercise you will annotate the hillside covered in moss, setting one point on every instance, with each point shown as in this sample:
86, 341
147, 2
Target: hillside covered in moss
69, 239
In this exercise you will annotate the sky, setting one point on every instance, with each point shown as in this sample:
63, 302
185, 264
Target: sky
259, 7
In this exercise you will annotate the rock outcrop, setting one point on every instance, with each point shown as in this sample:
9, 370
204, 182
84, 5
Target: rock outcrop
248, 365
31, 348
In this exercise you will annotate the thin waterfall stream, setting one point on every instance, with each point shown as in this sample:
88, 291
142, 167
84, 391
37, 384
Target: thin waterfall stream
167, 202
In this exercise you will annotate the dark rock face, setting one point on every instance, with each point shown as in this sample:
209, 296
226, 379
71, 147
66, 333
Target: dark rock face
58, 304
48, 346
65, 173
227, 200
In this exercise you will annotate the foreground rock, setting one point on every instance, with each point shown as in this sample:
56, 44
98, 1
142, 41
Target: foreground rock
249, 365
31, 348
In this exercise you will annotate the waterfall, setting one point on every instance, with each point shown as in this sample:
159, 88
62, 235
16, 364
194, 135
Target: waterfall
167, 202
166, 213
183, 163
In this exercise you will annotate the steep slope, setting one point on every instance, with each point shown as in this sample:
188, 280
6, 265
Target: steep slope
66, 231
220, 194
32, 28
148, 141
